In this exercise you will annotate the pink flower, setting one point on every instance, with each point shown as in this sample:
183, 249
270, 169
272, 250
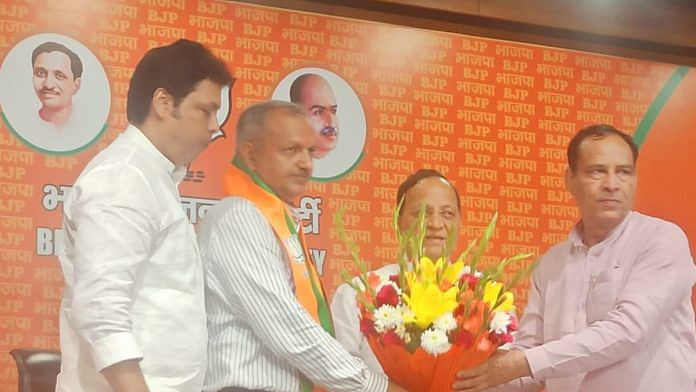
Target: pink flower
469, 279
513, 324
387, 295
501, 338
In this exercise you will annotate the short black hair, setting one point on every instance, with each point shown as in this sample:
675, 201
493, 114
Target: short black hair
415, 178
177, 68
597, 131
48, 47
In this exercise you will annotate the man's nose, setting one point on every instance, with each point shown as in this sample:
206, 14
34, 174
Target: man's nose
611, 181
49, 81
329, 118
306, 161
435, 221
213, 123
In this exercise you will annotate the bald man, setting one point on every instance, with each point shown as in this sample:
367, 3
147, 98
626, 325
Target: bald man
313, 92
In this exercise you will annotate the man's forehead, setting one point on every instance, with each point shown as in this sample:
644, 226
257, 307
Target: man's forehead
316, 89
53, 57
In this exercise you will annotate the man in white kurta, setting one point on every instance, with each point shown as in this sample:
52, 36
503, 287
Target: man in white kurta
133, 314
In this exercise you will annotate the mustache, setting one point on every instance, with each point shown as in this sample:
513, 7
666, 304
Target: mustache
329, 131
48, 90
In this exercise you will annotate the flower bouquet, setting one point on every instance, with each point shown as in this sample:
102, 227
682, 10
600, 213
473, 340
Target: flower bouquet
435, 317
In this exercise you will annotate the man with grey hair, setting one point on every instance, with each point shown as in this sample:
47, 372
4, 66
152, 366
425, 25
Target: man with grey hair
268, 322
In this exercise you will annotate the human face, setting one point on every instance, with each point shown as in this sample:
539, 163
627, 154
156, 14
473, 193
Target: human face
281, 154
603, 185
319, 100
192, 122
441, 213
54, 81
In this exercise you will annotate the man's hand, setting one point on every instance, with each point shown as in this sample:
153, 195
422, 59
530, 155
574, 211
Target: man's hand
501, 367
395, 388
126, 376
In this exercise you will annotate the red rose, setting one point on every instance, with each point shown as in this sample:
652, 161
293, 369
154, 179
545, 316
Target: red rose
390, 337
464, 338
387, 295
469, 279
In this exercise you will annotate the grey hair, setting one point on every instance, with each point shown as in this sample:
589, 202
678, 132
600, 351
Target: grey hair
252, 121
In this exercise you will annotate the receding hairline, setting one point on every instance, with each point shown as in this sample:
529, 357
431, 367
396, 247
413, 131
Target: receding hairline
596, 132
415, 178
254, 119
441, 180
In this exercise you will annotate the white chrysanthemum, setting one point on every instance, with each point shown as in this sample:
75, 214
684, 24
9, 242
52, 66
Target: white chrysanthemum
400, 331
500, 322
405, 312
446, 322
387, 317
434, 341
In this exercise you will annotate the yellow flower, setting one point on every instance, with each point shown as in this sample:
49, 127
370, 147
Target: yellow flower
452, 271
508, 303
491, 293
428, 302
427, 269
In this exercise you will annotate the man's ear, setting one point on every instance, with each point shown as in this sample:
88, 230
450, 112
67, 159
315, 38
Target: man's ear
78, 83
247, 152
162, 103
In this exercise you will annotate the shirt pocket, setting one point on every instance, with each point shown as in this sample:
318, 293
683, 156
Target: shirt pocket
176, 251
602, 296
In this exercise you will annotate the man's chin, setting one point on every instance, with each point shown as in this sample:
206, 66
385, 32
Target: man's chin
434, 251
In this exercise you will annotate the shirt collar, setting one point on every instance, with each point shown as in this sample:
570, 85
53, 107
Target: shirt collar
575, 236
134, 134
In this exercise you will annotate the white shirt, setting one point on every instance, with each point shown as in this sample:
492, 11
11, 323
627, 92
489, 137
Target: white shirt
346, 317
133, 276
261, 338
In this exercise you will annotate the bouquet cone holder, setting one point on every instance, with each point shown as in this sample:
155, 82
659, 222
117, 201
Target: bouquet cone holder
421, 372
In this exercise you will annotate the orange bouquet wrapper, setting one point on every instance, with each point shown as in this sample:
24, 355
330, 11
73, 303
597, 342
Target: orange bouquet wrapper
422, 372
